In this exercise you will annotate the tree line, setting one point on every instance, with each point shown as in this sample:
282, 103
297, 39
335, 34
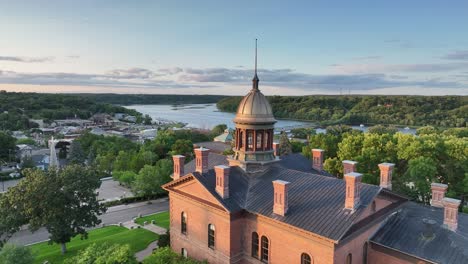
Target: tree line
440, 111
429, 156
16, 109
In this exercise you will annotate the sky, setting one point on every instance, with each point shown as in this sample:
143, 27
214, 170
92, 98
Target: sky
207, 47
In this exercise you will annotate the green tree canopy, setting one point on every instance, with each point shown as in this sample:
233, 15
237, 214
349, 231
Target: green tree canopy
150, 178
76, 155
165, 255
7, 146
104, 254
69, 202
285, 147
13, 254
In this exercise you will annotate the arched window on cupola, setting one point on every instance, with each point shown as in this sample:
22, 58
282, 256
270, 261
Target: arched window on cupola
259, 140
249, 139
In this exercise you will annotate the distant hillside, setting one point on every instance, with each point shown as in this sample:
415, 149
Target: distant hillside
17, 108
129, 99
443, 111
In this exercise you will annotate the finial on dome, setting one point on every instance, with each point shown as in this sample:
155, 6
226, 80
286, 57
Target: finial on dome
255, 79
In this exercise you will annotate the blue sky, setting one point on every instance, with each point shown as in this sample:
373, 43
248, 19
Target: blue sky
206, 47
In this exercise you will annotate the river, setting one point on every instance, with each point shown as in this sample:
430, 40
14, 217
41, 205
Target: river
206, 116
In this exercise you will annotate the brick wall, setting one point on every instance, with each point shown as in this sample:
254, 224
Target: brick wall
195, 241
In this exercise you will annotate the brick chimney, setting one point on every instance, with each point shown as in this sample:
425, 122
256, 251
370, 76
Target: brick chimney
451, 213
201, 159
353, 190
438, 194
386, 171
222, 180
179, 161
276, 149
317, 159
280, 203
349, 166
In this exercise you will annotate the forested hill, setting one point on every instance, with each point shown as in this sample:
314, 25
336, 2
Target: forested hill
17, 108
130, 99
443, 111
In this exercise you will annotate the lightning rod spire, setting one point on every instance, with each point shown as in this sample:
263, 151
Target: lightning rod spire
255, 79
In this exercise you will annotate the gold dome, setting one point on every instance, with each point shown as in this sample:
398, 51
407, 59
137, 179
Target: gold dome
254, 109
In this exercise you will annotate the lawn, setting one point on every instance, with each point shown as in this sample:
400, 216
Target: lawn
162, 219
138, 239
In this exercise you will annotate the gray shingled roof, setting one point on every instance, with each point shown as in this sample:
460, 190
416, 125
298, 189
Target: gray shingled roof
403, 231
316, 202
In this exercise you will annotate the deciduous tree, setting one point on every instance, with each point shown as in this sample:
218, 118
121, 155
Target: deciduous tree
65, 202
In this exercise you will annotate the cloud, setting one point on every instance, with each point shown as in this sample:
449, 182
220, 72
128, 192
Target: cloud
457, 55
187, 78
26, 59
132, 73
134, 77
388, 68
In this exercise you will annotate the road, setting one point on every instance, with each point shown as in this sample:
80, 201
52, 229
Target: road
114, 215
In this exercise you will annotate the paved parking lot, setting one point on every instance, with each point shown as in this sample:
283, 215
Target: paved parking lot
111, 190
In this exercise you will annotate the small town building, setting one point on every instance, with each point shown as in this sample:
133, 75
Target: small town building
226, 137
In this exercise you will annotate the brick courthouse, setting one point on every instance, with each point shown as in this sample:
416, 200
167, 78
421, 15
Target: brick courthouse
258, 207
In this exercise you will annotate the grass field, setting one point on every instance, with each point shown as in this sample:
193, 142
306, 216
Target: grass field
162, 219
138, 239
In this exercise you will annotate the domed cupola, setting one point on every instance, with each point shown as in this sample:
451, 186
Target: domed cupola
254, 129
254, 109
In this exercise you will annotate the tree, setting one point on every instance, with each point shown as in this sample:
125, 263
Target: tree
77, 155
421, 172
150, 178
69, 202
7, 146
284, 144
147, 120
183, 147
124, 177
380, 129
333, 166
104, 254
302, 133
27, 162
426, 130
165, 255
11, 218
16, 254
218, 130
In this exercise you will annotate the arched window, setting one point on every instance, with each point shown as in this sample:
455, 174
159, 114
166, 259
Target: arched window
241, 139
349, 259
211, 236
364, 254
373, 207
259, 139
305, 259
264, 257
255, 245
250, 139
267, 140
183, 252
183, 223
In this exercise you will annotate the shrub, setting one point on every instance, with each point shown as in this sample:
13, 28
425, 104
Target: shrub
16, 254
